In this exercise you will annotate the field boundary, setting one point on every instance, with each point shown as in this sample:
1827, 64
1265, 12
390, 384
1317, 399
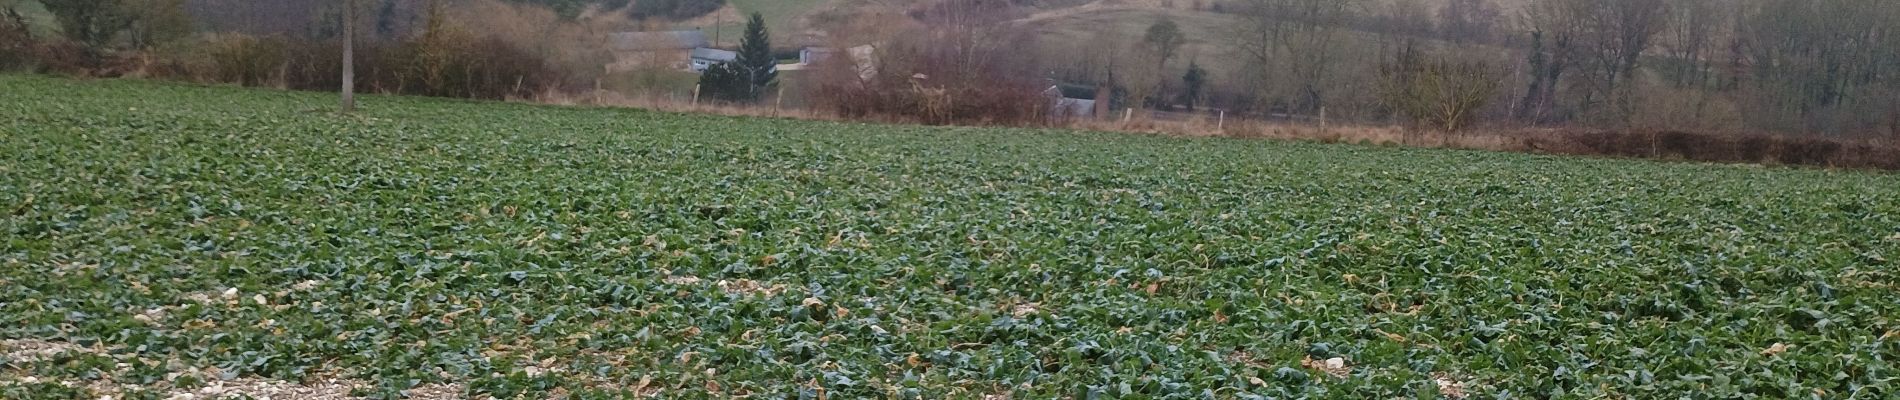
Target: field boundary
1659, 145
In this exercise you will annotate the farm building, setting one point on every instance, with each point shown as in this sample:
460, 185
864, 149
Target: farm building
703, 58
812, 55
1065, 102
863, 57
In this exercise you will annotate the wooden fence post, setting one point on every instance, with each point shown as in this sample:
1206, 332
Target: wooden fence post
349, 56
1322, 120
695, 95
1222, 125
1655, 145
778, 102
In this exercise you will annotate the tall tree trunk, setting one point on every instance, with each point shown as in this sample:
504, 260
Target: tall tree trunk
349, 55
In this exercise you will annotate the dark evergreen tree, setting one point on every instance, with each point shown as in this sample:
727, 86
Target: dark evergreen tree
755, 59
1194, 82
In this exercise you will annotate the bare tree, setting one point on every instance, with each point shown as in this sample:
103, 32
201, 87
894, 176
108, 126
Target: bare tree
1440, 93
1604, 39
1820, 65
1294, 44
1550, 55
971, 35
1616, 34
1694, 26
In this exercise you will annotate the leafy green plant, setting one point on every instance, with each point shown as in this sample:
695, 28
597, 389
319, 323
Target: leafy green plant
527, 250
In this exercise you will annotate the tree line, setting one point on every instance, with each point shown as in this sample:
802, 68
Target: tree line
1818, 67
1792, 66
1822, 67
489, 49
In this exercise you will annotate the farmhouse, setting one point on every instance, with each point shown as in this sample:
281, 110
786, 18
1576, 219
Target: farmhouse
1065, 102
703, 58
812, 55
862, 57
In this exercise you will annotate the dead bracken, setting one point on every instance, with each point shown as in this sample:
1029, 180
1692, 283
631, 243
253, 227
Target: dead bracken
1449, 386
21, 351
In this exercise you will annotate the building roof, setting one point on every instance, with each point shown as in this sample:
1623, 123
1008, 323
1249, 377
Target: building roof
652, 41
1071, 91
703, 53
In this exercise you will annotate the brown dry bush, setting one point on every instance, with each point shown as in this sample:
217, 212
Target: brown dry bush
247, 60
951, 61
446, 65
1724, 147
519, 52
1440, 93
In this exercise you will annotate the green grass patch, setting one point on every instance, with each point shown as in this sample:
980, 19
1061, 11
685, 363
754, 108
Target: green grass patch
782, 20
526, 249
652, 81
781, 16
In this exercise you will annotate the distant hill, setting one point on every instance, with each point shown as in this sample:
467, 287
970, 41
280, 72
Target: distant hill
307, 17
257, 16
786, 18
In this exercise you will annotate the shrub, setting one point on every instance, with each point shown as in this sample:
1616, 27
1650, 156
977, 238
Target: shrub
961, 66
1443, 94
445, 64
725, 82
247, 60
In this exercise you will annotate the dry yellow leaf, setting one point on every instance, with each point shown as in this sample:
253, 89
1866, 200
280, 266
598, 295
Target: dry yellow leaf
639, 388
1777, 348
1332, 366
1450, 388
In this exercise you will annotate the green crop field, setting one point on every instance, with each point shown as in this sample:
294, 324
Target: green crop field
169, 236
